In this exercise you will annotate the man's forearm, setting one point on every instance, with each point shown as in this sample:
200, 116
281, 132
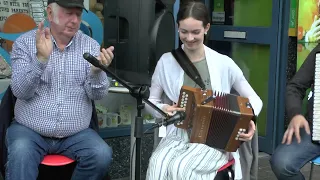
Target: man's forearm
26, 77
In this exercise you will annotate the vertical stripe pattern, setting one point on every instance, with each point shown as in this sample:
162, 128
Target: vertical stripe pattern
177, 159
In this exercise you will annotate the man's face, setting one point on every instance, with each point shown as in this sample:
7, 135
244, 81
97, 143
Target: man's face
66, 21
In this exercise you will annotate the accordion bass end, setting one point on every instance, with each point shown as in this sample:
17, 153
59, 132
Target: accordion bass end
214, 118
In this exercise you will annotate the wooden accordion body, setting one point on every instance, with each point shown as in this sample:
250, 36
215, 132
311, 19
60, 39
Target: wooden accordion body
214, 118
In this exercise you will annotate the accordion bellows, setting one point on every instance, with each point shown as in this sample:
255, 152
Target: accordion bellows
214, 118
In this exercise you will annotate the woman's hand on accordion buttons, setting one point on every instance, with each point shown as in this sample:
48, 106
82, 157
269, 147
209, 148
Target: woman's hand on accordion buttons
297, 122
170, 110
248, 136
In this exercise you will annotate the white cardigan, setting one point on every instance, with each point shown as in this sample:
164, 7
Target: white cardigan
224, 74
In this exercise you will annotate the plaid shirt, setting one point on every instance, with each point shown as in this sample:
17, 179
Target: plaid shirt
54, 99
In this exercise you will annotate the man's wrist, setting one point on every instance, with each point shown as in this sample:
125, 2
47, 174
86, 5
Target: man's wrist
42, 58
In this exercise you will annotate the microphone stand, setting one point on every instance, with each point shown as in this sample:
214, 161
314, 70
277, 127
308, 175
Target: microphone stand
141, 94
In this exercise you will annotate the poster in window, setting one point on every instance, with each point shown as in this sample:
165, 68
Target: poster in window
308, 21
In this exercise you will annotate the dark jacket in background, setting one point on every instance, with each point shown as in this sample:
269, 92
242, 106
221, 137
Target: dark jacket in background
298, 85
6, 115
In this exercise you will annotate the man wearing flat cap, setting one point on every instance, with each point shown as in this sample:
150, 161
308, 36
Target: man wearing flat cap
55, 86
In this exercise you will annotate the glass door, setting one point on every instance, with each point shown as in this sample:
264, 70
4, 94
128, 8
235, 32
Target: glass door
248, 32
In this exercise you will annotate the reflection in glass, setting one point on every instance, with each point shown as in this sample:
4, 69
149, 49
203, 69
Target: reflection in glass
254, 62
242, 12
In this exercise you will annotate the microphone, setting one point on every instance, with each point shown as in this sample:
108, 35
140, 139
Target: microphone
179, 116
93, 60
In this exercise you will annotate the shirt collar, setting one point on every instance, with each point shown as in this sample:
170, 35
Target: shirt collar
69, 44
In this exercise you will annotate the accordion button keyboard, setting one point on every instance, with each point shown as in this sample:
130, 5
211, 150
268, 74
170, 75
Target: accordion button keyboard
316, 101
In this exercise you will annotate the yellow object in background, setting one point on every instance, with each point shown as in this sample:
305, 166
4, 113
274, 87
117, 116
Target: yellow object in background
307, 14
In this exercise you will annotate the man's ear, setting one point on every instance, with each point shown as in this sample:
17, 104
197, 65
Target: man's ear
49, 13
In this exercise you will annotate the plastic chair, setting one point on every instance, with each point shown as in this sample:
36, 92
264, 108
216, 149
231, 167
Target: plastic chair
225, 175
60, 163
54, 166
230, 163
315, 161
95, 26
56, 160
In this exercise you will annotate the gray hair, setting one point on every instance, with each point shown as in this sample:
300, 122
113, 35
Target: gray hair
55, 10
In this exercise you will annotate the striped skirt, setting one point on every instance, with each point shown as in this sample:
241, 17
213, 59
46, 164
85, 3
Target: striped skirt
177, 159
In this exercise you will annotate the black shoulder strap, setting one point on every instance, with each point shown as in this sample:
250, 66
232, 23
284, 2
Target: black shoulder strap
187, 66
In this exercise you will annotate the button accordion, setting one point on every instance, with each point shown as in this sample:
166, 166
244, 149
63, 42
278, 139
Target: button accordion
214, 118
316, 101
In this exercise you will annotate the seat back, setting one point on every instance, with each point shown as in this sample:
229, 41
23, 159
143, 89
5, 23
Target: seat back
7, 113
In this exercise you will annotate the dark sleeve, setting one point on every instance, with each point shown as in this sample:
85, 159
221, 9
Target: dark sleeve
298, 85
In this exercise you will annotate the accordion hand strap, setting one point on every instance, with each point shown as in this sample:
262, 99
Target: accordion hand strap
188, 66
